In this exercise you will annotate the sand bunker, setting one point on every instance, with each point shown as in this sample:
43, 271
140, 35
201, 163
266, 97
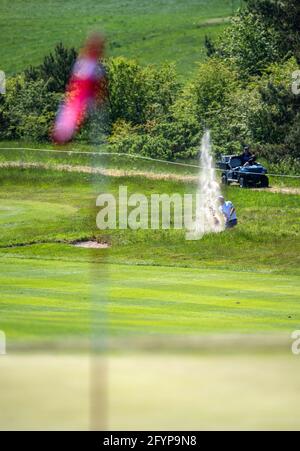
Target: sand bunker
91, 245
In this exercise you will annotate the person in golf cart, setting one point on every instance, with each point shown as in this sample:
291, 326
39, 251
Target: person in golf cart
228, 210
247, 158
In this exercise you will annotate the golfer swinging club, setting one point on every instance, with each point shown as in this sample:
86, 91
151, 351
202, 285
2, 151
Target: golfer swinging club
228, 210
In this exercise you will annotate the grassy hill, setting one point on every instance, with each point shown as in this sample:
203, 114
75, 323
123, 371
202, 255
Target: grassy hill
152, 32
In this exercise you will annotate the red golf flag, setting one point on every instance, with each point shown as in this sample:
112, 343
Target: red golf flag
86, 87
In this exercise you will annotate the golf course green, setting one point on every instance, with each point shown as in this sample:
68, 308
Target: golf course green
145, 282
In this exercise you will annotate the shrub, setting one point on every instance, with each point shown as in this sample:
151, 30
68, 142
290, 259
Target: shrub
55, 69
249, 45
29, 109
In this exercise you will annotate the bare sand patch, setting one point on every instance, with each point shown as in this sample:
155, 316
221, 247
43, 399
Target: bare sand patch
91, 244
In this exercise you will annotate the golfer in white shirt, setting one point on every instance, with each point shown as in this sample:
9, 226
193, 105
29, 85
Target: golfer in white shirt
228, 210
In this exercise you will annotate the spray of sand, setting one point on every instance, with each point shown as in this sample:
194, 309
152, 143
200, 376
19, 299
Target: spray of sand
208, 217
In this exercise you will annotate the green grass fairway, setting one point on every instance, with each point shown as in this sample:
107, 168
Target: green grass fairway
151, 32
44, 300
188, 301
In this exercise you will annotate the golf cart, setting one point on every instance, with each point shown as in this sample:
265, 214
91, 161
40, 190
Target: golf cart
253, 174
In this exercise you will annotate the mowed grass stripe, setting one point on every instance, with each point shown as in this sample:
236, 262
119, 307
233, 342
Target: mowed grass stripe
46, 307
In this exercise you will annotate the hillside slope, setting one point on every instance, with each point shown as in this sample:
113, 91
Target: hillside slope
152, 32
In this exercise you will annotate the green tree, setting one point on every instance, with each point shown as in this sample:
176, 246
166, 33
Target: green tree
212, 90
174, 134
138, 94
211, 86
55, 69
29, 109
126, 91
279, 106
284, 17
250, 45
162, 89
